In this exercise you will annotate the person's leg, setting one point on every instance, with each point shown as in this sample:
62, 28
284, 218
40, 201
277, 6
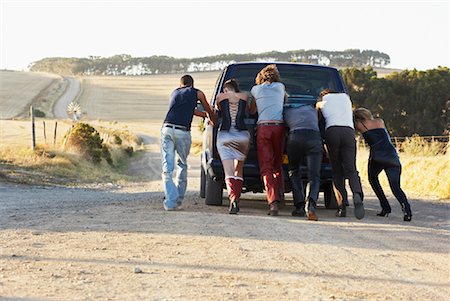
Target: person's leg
265, 160
182, 147
373, 173
348, 156
393, 174
278, 140
232, 185
168, 162
332, 140
295, 158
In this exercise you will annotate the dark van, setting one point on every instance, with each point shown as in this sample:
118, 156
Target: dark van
303, 84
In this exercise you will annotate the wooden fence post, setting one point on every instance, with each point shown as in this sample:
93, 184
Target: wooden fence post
45, 134
33, 133
54, 133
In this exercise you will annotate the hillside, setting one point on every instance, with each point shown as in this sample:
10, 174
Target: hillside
19, 89
127, 65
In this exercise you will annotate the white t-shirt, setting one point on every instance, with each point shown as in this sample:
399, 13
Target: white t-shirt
336, 108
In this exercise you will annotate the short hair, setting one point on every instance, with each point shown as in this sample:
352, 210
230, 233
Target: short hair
325, 92
362, 114
269, 74
187, 81
232, 84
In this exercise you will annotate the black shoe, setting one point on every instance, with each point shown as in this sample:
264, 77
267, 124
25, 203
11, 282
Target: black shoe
384, 213
342, 211
298, 212
234, 208
407, 215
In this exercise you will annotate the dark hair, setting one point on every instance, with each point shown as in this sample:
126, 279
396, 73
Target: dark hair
232, 84
187, 80
269, 74
325, 92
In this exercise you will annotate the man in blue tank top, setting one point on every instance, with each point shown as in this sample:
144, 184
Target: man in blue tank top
176, 138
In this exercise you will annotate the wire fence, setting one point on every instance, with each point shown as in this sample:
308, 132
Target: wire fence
424, 145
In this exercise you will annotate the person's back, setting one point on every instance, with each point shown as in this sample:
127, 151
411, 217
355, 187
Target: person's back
336, 108
301, 118
183, 102
269, 101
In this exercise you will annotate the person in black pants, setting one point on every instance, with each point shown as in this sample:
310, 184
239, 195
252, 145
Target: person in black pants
304, 146
383, 156
336, 108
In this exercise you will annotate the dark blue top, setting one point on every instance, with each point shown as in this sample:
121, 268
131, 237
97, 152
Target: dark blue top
225, 122
381, 148
183, 101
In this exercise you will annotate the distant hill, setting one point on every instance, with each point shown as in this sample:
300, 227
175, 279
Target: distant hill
125, 64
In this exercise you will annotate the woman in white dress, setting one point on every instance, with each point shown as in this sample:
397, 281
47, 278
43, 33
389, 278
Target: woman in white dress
233, 139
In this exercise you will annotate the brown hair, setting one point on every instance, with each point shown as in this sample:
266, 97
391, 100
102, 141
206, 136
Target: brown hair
269, 74
232, 84
362, 114
187, 81
325, 92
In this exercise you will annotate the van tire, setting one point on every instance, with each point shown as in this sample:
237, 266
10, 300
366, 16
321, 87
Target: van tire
213, 191
202, 183
329, 198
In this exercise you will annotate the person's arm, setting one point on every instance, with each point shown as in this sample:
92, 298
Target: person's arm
208, 111
199, 113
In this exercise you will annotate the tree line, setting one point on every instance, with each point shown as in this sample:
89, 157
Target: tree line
125, 64
410, 102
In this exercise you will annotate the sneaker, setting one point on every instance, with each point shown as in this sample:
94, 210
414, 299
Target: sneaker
273, 208
234, 208
170, 208
359, 206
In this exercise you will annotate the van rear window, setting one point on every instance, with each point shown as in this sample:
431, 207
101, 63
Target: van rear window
303, 83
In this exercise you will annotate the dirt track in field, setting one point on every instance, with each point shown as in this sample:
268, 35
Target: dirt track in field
84, 243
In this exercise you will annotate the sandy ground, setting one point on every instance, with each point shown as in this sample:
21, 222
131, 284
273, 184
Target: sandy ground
88, 243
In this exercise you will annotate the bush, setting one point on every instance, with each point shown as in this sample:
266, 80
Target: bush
38, 113
86, 140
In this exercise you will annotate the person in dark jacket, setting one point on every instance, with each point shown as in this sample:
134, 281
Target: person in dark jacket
304, 145
233, 139
383, 156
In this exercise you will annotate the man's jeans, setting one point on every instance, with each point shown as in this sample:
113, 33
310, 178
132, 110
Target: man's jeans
179, 142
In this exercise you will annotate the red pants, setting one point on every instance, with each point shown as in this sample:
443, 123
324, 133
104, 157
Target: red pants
270, 145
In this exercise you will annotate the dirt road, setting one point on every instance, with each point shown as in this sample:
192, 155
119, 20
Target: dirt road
60, 108
109, 242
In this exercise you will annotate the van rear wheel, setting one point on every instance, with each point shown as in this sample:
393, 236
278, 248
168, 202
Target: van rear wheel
329, 198
202, 182
213, 191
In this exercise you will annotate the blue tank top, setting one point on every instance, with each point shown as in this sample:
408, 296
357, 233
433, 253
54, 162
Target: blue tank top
182, 103
381, 148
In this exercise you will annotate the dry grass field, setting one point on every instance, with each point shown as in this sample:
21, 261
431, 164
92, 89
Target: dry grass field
19, 89
135, 98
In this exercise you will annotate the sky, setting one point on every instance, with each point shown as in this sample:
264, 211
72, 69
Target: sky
415, 34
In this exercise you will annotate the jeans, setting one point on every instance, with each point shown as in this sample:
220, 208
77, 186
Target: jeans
393, 173
174, 141
270, 146
341, 144
304, 146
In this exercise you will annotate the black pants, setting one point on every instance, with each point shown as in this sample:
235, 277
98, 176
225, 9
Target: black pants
341, 144
393, 172
304, 147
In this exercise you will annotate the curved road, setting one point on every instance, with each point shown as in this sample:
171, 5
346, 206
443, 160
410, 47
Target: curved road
60, 108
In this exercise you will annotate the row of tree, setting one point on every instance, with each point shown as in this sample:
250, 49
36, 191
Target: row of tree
127, 65
410, 102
